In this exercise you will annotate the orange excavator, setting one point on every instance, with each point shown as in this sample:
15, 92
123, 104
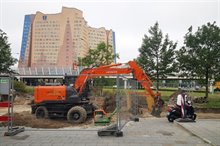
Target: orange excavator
72, 102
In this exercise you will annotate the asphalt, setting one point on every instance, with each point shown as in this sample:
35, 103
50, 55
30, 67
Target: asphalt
147, 132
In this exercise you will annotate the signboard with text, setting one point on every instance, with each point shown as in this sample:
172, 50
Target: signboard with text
4, 85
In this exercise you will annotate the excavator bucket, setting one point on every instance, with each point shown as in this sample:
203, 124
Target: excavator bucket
157, 107
150, 102
154, 107
156, 112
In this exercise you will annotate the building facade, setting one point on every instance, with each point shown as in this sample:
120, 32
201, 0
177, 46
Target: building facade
58, 40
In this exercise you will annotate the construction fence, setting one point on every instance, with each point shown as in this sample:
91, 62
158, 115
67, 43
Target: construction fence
7, 115
119, 104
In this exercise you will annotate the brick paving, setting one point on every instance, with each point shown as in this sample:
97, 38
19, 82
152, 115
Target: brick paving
147, 132
207, 130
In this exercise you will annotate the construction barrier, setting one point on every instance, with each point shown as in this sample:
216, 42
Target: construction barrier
127, 101
6, 89
5, 118
117, 105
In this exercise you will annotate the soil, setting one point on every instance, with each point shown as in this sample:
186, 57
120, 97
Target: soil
23, 116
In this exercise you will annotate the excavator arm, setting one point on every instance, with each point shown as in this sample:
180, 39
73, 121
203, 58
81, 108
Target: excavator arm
90, 73
154, 101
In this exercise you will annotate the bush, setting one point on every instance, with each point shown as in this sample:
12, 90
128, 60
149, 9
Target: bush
19, 86
29, 89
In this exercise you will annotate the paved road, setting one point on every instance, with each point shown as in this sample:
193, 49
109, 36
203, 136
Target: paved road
207, 130
147, 132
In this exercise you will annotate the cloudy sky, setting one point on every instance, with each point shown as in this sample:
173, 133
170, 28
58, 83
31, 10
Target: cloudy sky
130, 19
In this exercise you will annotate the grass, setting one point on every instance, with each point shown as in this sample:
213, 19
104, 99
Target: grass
213, 99
165, 95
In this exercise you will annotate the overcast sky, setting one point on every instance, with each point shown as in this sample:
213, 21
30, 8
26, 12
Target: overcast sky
130, 19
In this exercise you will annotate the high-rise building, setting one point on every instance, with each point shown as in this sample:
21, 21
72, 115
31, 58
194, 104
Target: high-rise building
58, 40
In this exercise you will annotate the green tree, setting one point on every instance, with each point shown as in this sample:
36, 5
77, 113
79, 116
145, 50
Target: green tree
102, 55
157, 54
200, 55
6, 59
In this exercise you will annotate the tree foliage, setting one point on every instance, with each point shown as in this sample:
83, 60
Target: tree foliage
19, 86
200, 55
157, 54
102, 55
6, 59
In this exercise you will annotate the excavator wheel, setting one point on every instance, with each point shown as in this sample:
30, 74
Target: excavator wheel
41, 112
76, 115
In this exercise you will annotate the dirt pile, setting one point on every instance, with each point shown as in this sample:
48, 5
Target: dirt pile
23, 116
107, 103
200, 100
26, 119
23, 98
173, 98
97, 101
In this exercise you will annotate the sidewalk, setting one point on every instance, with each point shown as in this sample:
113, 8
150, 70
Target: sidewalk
147, 132
206, 129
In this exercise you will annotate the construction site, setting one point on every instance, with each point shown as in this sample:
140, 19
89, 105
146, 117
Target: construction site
109, 73
105, 111
23, 116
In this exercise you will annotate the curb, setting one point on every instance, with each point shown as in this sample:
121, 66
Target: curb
193, 133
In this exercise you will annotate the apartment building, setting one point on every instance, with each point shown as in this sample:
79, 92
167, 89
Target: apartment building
58, 40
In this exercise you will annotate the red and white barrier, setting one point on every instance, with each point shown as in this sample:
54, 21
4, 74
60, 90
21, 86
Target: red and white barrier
8, 117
